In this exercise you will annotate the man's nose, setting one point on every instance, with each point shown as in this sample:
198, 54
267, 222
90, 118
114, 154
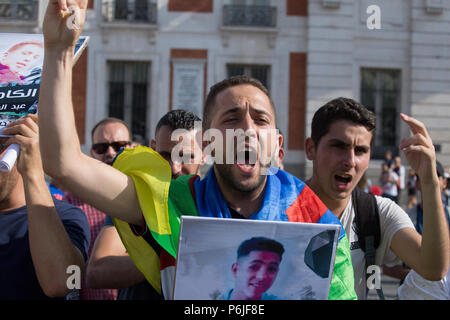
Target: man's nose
261, 274
248, 123
349, 158
110, 152
250, 133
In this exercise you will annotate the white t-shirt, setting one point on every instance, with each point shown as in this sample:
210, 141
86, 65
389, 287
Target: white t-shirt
392, 219
417, 288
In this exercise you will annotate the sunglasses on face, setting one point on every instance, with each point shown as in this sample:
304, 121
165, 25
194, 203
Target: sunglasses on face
101, 148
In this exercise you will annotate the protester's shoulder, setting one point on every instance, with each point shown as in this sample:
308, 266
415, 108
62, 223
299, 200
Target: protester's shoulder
386, 205
69, 211
391, 212
288, 179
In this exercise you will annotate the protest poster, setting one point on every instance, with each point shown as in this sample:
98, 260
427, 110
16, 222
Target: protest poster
21, 61
236, 259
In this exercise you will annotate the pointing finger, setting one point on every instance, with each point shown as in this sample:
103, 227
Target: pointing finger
417, 139
415, 125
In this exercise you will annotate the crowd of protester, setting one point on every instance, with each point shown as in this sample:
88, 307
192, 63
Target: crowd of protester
83, 229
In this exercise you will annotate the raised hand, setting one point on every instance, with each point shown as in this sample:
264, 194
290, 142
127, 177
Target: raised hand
63, 22
419, 150
25, 134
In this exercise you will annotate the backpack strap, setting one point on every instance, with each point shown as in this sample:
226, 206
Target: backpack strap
370, 260
367, 227
367, 218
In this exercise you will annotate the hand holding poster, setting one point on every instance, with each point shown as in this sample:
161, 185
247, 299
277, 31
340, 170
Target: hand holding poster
233, 259
21, 61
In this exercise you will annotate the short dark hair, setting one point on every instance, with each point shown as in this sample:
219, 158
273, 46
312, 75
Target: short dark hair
110, 120
177, 119
340, 109
225, 84
260, 244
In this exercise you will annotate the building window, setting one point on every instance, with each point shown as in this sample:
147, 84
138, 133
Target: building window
260, 72
133, 11
250, 13
128, 91
380, 93
19, 9
250, 2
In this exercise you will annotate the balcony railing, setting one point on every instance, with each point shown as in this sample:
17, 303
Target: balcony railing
19, 10
250, 16
132, 11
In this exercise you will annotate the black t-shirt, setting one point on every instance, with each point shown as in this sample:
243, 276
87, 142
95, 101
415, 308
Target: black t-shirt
17, 275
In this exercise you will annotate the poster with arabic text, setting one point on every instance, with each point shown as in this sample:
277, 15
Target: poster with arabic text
21, 61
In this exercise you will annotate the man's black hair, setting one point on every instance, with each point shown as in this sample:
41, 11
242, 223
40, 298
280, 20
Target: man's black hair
341, 109
260, 244
178, 119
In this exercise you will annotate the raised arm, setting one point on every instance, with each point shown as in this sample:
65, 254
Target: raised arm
429, 254
50, 246
92, 181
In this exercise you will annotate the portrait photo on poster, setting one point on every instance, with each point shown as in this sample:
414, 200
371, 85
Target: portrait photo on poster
234, 259
21, 62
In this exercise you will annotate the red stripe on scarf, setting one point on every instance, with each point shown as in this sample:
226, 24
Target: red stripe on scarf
306, 208
166, 260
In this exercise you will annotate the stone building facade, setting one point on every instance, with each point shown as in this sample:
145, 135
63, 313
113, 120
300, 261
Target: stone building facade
146, 57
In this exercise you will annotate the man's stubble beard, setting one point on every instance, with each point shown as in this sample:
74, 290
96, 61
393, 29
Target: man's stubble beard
226, 175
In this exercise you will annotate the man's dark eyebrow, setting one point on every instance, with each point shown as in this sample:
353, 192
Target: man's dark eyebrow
260, 111
230, 111
339, 142
252, 109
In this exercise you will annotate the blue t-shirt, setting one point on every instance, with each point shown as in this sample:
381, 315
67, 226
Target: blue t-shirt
17, 275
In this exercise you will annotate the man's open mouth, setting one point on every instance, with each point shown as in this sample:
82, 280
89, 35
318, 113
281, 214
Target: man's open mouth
343, 180
246, 159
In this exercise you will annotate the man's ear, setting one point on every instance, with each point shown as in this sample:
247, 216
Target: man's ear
234, 268
310, 149
153, 144
281, 152
91, 152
